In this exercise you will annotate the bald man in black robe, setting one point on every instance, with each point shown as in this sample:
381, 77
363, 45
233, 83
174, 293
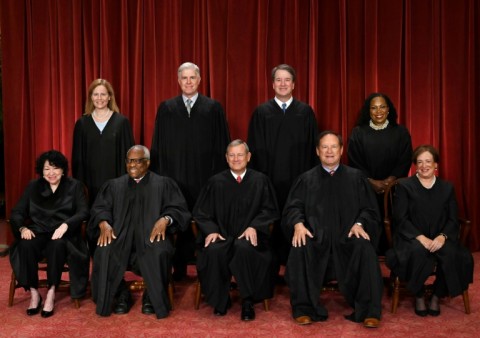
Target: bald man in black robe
134, 217
233, 213
332, 220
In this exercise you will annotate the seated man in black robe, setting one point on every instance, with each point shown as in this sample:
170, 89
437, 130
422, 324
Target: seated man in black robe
332, 219
233, 212
134, 217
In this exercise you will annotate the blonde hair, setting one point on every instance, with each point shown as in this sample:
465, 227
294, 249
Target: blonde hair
112, 104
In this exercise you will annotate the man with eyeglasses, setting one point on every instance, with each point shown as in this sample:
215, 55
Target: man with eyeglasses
233, 212
134, 218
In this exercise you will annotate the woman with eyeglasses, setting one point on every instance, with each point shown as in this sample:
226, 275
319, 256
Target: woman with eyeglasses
46, 223
427, 235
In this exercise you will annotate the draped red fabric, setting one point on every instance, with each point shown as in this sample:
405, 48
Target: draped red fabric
424, 54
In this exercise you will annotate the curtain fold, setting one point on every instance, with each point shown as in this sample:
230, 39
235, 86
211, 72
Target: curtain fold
423, 54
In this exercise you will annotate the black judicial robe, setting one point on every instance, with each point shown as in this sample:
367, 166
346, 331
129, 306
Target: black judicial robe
380, 153
329, 206
45, 212
229, 208
283, 145
189, 149
99, 156
132, 210
417, 211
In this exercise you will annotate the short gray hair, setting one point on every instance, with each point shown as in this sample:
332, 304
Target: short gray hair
188, 65
146, 152
238, 142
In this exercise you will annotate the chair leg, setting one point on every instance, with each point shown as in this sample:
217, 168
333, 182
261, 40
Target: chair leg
11, 293
170, 293
466, 302
396, 294
197, 294
266, 304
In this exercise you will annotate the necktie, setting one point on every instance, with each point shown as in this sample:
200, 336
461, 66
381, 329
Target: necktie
332, 172
284, 107
189, 106
239, 179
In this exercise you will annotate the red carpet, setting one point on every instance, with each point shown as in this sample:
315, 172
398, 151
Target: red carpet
185, 321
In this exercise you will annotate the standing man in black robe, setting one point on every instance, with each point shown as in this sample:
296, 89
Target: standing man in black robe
332, 219
281, 136
134, 217
234, 211
189, 141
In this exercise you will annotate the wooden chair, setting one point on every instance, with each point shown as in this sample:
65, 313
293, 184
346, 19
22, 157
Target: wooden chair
395, 284
42, 283
198, 288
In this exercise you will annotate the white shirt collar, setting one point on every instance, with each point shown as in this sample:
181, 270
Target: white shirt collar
281, 102
236, 175
193, 98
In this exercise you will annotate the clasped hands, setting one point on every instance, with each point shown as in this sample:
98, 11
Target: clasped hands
432, 245
301, 232
380, 185
250, 234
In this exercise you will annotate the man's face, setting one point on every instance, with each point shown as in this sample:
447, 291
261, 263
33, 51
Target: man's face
329, 150
137, 164
189, 81
283, 85
238, 158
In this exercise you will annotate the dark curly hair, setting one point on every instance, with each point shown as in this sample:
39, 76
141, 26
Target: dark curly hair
364, 116
55, 158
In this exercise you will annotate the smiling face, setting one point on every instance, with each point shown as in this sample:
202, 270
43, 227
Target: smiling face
329, 151
238, 158
137, 164
378, 110
283, 85
189, 80
426, 165
100, 97
52, 174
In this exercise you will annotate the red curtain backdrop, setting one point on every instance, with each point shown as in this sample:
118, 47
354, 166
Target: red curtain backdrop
424, 54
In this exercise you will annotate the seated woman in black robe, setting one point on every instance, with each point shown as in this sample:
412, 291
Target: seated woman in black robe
46, 223
427, 232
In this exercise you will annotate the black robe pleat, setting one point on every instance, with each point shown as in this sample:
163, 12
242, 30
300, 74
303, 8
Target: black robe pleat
132, 210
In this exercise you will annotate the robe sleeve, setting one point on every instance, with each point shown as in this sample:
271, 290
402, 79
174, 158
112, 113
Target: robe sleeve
404, 158
268, 211
221, 139
204, 211
451, 228
102, 209
294, 210
21, 211
155, 148
81, 208
77, 152
126, 142
175, 206
356, 156
257, 142
401, 214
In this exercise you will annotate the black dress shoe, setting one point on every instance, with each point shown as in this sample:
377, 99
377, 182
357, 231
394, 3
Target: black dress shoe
218, 312
124, 303
35, 310
248, 312
46, 314
147, 306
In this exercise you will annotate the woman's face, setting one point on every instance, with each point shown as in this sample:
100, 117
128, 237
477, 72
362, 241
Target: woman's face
100, 97
52, 174
378, 110
426, 165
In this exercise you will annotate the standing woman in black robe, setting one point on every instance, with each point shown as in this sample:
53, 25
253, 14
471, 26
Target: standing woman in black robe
101, 139
380, 147
46, 222
427, 232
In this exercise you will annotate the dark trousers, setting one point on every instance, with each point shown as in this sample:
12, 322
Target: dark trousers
33, 251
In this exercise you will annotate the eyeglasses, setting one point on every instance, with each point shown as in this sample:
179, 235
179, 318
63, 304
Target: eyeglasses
135, 160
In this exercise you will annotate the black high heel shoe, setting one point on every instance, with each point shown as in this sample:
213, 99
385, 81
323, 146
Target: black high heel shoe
421, 313
46, 314
35, 310
433, 312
